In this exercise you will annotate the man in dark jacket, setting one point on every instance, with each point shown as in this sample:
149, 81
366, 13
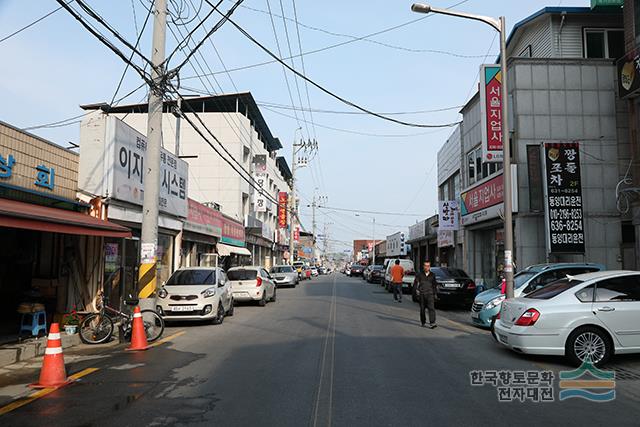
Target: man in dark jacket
424, 286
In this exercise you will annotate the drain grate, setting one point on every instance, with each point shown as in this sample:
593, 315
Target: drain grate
626, 374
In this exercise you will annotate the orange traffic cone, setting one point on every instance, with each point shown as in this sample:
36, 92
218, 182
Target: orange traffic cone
53, 373
138, 336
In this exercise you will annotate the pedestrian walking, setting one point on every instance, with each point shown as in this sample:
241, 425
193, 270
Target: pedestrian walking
397, 273
425, 285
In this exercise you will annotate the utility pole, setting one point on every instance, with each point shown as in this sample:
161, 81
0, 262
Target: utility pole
373, 261
313, 227
147, 282
292, 196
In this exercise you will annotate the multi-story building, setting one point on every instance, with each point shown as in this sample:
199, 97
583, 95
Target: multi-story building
628, 77
450, 243
229, 140
562, 84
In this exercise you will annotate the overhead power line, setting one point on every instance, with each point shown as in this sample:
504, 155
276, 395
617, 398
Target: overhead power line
327, 91
370, 212
367, 39
18, 31
333, 46
397, 113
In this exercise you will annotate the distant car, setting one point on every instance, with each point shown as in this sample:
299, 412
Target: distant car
375, 274
284, 275
454, 286
365, 272
347, 270
298, 267
407, 280
587, 318
486, 305
314, 272
196, 293
322, 270
252, 284
356, 270
306, 272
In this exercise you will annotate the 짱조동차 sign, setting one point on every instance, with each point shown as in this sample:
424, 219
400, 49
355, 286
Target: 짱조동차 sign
564, 221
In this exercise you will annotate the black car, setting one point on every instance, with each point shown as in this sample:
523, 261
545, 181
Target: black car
376, 273
356, 270
455, 287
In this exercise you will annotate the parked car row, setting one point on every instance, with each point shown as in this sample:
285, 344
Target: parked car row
210, 293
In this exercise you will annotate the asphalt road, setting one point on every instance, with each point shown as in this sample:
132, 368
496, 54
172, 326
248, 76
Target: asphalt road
333, 351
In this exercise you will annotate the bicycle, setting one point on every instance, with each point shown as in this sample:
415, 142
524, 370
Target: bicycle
97, 328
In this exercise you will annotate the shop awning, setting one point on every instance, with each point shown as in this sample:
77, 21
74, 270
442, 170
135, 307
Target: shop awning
14, 214
226, 250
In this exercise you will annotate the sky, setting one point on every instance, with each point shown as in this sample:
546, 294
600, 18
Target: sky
363, 162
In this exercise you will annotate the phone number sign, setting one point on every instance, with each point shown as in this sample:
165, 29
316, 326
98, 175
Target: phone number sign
564, 219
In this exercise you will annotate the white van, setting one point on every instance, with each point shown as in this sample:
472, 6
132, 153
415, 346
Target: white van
409, 274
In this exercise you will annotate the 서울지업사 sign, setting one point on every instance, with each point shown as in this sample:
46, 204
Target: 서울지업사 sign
563, 198
491, 112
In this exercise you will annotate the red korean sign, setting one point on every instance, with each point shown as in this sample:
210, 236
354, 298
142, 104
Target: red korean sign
491, 112
296, 234
483, 196
283, 198
203, 219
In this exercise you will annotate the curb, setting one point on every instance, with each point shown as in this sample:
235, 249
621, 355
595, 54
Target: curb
28, 349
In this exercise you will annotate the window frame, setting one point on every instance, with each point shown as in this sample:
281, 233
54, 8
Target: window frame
595, 297
606, 32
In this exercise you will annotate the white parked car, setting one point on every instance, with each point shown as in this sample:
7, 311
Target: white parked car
407, 279
587, 318
252, 284
196, 293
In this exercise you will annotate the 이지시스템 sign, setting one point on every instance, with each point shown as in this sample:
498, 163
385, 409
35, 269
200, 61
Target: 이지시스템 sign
491, 112
564, 221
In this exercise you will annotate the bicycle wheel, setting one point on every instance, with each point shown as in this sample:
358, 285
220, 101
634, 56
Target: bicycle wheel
153, 325
96, 328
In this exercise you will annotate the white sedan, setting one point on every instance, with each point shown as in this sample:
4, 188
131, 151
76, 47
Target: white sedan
252, 283
587, 318
196, 293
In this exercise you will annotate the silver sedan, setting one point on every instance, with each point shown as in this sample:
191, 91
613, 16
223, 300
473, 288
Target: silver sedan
587, 318
284, 275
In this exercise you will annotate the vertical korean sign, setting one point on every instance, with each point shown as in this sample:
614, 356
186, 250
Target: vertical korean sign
283, 198
563, 198
296, 234
448, 215
491, 112
260, 178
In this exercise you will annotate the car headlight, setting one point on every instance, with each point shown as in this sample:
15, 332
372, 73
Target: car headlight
209, 292
162, 293
495, 302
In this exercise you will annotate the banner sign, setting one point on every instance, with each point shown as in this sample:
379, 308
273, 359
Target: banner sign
283, 198
417, 230
232, 232
448, 215
204, 220
445, 238
491, 112
259, 197
563, 198
129, 150
296, 234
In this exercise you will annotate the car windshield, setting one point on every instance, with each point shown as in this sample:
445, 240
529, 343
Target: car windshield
192, 277
283, 269
242, 274
523, 277
554, 289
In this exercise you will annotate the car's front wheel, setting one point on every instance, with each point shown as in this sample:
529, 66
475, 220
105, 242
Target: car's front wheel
588, 344
219, 318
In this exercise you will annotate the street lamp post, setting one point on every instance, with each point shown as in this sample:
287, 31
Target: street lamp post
500, 26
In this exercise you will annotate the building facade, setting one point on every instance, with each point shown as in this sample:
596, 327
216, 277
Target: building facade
561, 89
53, 243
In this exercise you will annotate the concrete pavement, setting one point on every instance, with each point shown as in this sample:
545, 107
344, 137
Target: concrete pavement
333, 351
